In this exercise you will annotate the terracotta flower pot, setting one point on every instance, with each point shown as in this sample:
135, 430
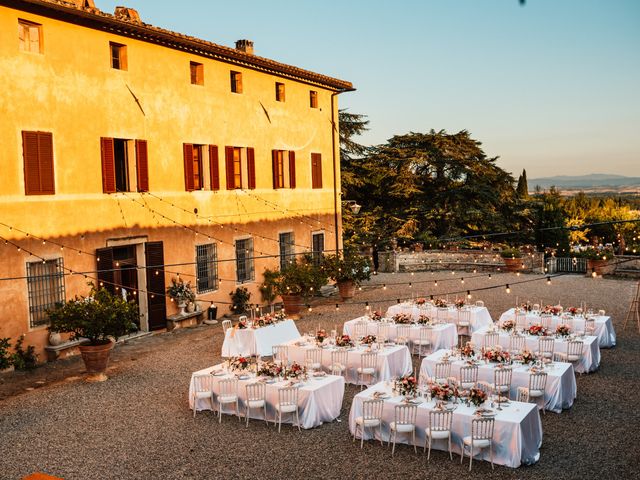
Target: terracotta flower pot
96, 359
292, 304
597, 266
347, 289
513, 264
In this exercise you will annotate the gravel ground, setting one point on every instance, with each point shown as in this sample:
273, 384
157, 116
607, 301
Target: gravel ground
138, 425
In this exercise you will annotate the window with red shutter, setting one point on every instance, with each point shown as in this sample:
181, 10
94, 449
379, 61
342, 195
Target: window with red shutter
229, 167
188, 167
142, 165
292, 169
37, 149
251, 168
214, 168
316, 170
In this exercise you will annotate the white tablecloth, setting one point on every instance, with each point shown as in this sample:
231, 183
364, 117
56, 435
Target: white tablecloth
516, 440
393, 361
480, 316
252, 341
604, 326
442, 336
589, 362
319, 399
560, 390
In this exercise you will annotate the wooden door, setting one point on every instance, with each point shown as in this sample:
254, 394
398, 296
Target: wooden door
157, 306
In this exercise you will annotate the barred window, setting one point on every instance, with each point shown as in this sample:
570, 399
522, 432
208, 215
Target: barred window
207, 267
317, 247
45, 283
244, 260
287, 249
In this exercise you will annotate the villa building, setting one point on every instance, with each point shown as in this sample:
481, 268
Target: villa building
132, 155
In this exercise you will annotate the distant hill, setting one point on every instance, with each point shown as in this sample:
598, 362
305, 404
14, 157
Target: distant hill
593, 181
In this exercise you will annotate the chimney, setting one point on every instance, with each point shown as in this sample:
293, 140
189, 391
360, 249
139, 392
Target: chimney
129, 14
245, 46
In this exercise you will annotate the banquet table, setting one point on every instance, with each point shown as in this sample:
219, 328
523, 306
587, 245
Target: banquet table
560, 391
516, 440
480, 316
393, 360
444, 335
604, 326
319, 399
258, 341
589, 362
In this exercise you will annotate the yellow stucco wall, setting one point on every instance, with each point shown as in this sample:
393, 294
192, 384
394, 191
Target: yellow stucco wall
71, 91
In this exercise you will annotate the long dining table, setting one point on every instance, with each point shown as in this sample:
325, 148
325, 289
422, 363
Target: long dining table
559, 394
603, 324
443, 335
479, 315
392, 360
517, 435
589, 361
258, 341
319, 398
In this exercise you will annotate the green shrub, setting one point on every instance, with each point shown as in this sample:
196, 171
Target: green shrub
5, 356
24, 359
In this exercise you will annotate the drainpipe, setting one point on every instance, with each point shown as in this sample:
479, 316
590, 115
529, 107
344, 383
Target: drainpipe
336, 202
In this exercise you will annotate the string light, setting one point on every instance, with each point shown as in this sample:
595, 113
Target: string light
337, 307
548, 280
469, 294
508, 290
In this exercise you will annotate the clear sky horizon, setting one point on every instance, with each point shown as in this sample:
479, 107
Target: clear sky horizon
552, 86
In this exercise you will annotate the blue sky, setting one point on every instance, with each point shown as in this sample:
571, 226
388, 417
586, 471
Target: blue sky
553, 87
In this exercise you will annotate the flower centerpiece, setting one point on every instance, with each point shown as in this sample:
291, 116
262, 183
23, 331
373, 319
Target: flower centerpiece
526, 307
406, 385
402, 318
508, 325
459, 303
279, 316
443, 391
344, 341
239, 363
526, 357
477, 396
321, 335
420, 301
573, 310
423, 320
242, 324
440, 303
376, 315
295, 371
495, 354
467, 351
552, 309
264, 320
563, 330
269, 369
368, 340
537, 330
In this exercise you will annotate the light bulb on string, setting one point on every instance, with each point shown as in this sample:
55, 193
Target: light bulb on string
337, 307
508, 289
435, 283
548, 280
384, 286
469, 294
366, 306
462, 280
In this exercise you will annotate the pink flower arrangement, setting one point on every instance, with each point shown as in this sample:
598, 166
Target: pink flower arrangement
368, 339
467, 351
443, 391
527, 306
573, 310
242, 324
553, 310
321, 335
496, 354
526, 357
477, 396
295, 370
438, 302
269, 369
421, 301
508, 325
344, 341
239, 363
537, 330
406, 385
460, 303
423, 320
402, 318
264, 320
376, 315
563, 330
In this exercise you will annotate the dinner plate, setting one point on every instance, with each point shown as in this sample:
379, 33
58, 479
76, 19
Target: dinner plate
243, 377
218, 374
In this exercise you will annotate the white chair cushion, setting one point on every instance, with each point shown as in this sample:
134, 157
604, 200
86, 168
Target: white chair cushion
255, 403
366, 370
339, 366
316, 366
403, 427
421, 342
286, 408
463, 324
467, 385
202, 394
573, 358
438, 434
536, 393
228, 398
500, 388
369, 422
478, 443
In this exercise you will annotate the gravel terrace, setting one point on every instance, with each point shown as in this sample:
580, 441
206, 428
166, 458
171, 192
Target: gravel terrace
137, 425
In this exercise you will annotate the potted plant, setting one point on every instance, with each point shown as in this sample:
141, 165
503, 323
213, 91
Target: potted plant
512, 259
100, 318
347, 270
181, 293
240, 300
596, 259
296, 283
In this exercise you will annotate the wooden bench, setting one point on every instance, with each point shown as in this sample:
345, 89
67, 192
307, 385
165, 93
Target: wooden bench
53, 351
173, 321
